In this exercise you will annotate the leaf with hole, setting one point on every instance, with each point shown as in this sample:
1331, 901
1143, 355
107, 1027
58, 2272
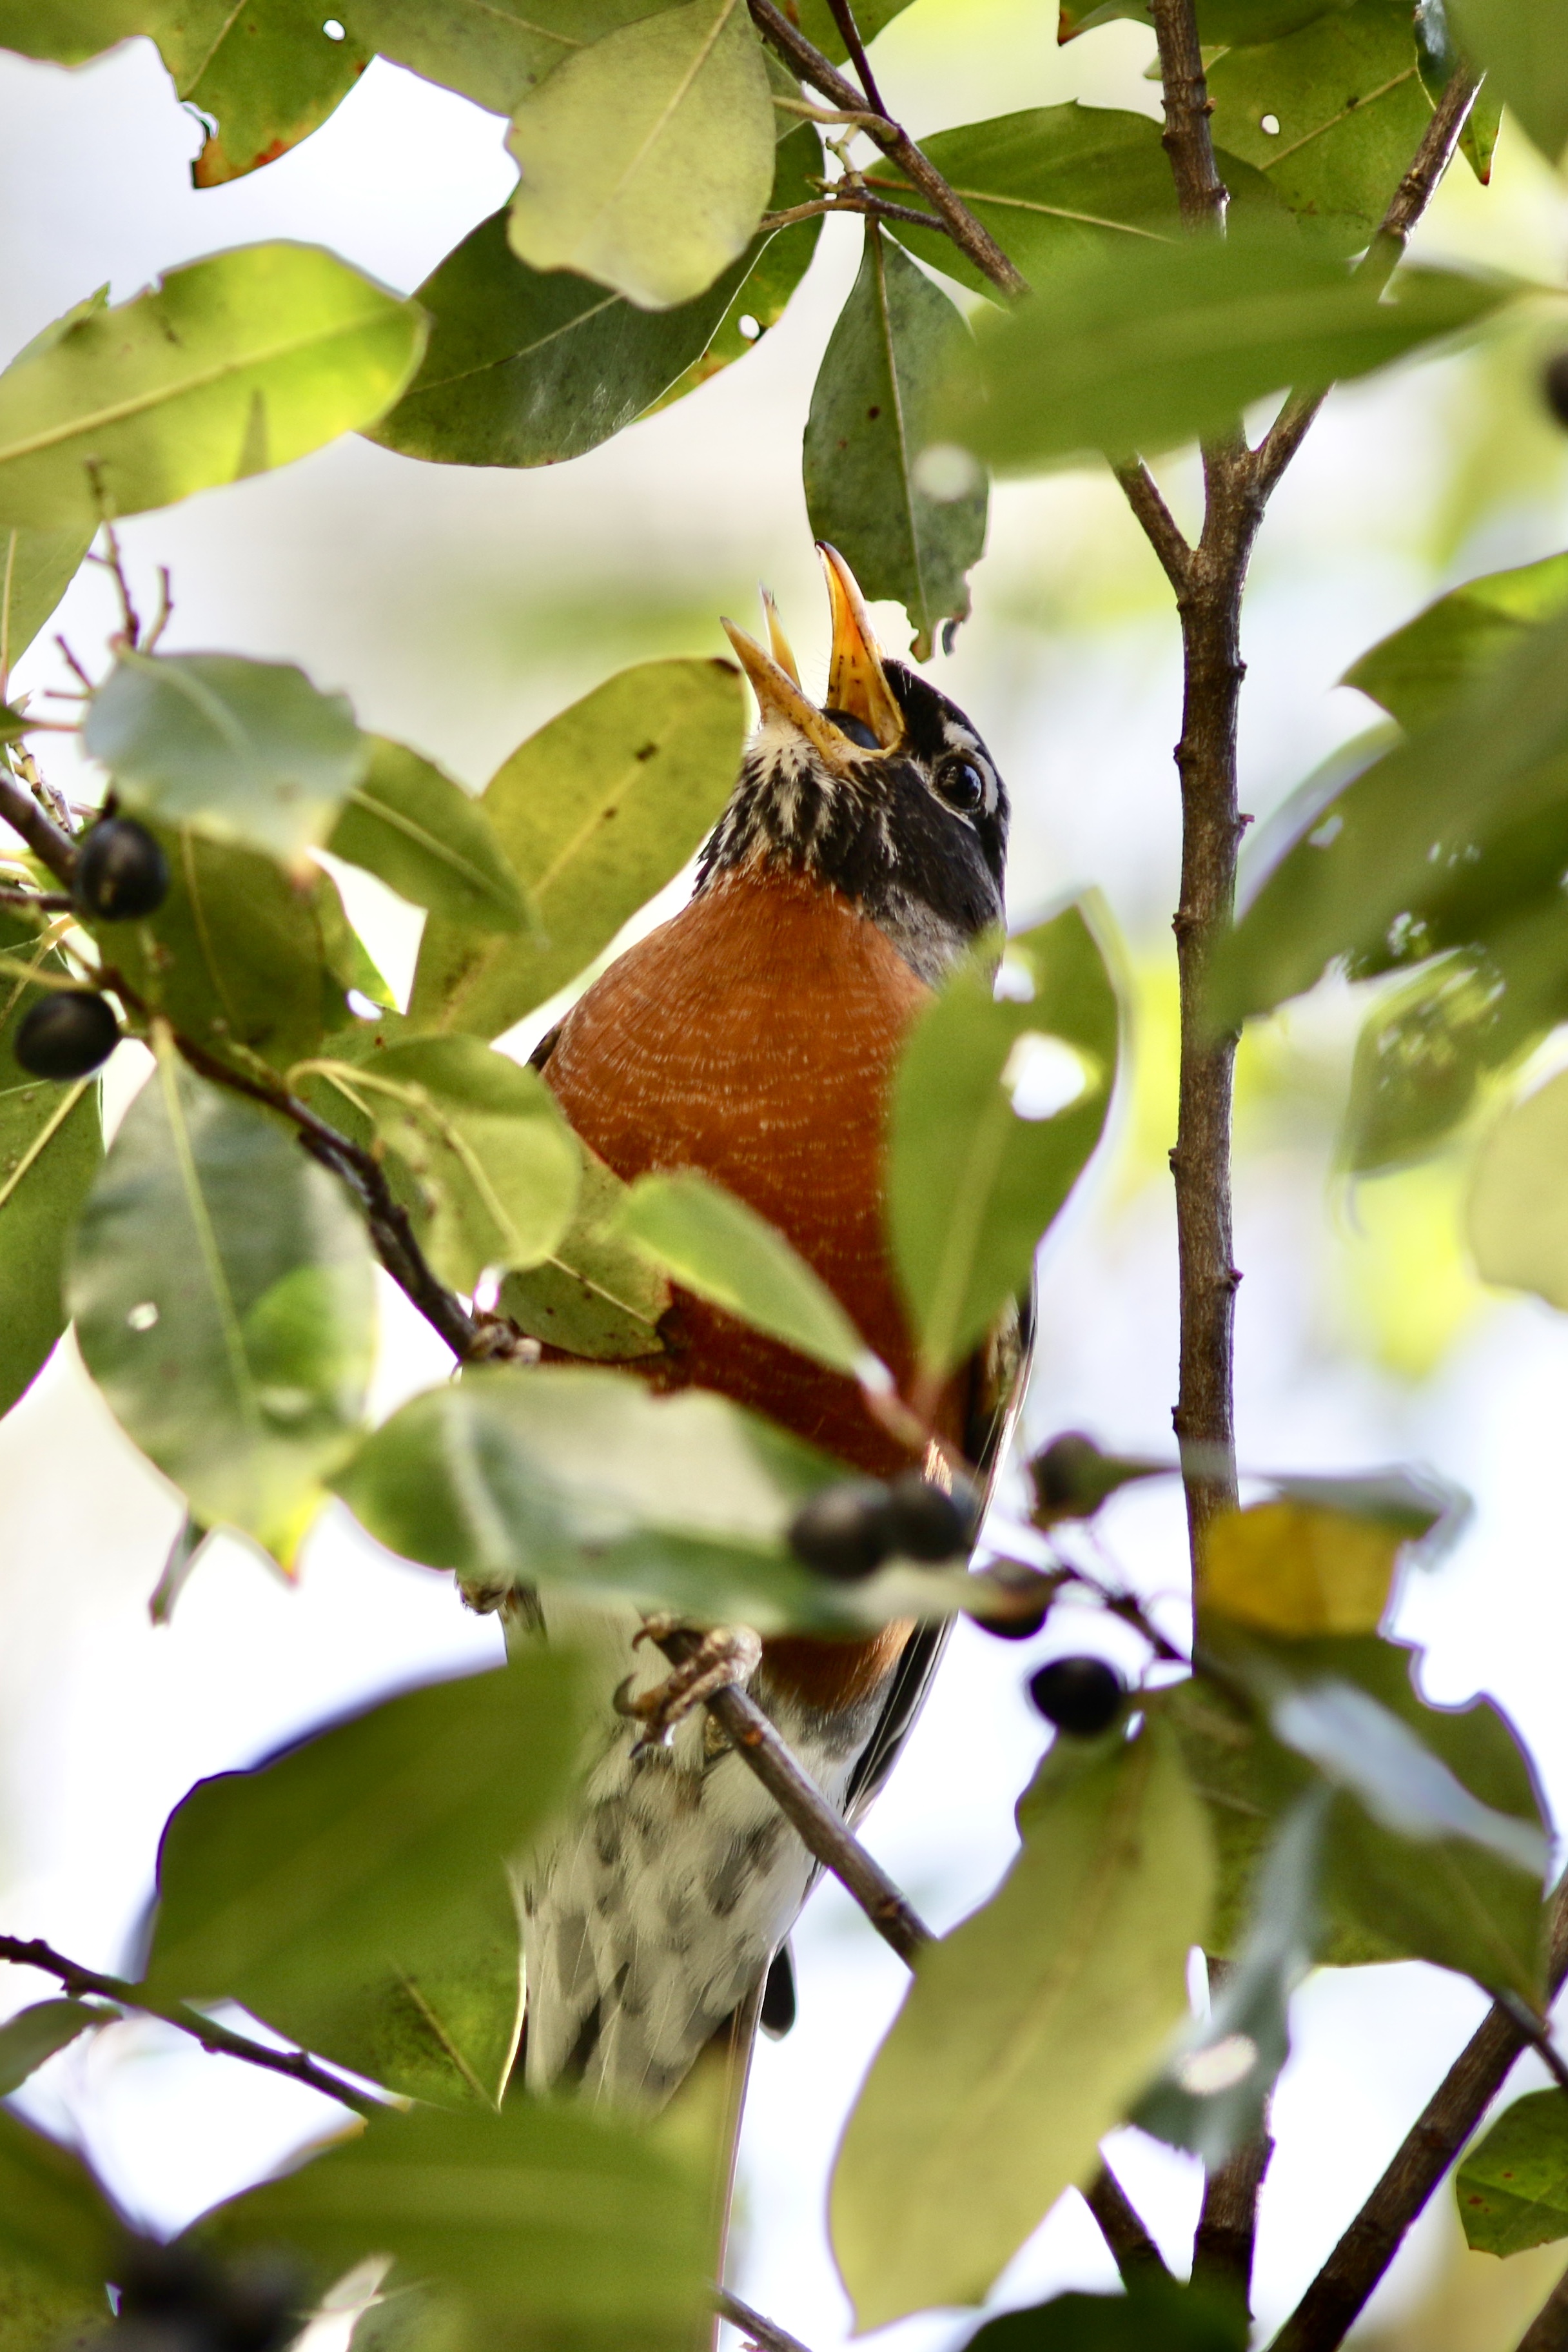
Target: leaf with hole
51, 1146
645, 160
1512, 2185
595, 1296
222, 1290
242, 750
267, 73
1330, 115
1000, 1099
899, 344
1150, 346
427, 839
713, 1244
377, 1845
1026, 2030
546, 2223
226, 368
594, 812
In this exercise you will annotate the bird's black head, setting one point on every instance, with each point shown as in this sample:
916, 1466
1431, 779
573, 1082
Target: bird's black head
886, 792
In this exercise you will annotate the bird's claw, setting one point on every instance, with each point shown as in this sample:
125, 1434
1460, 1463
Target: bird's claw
725, 1659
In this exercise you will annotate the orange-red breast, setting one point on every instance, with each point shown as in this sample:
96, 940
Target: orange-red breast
754, 1036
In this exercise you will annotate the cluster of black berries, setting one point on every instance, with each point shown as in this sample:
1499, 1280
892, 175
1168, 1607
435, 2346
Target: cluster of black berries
179, 2298
120, 876
848, 1529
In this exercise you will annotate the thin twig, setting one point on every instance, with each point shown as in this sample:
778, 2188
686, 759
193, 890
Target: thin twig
1200, 192
1331, 2305
1227, 2225
1138, 2258
1160, 526
765, 2334
1539, 2031
849, 32
1382, 257
34, 1953
21, 812
797, 1797
1547, 2331
970, 236
853, 200
52, 902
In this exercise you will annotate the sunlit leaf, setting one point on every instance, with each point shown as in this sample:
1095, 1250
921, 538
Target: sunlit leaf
1214, 2089
645, 160
495, 1166
243, 750
237, 955
226, 368
427, 839
1523, 45
221, 1285
713, 1244
35, 2034
898, 345
68, 32
266, 72
595, 1296
1331, 115
51, 1146
1025, 2031
1149, 346
1512, 2185
37, 567
1291, 1569
546, 2222
493, 51
595, 813
374, 1845
999, 1101
1453, 642
1518, 1215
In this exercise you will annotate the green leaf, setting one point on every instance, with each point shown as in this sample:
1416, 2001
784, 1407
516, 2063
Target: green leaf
1425, 1050
1452, 644
1150, 346
35, 2034
235, 957
495, 1166
595, 813
716, 1246
1439, 60
898, 344
222, 1290
54, 2220
1154, 2316
493, 51
227, 368
1492, 758
1295, 1567
1346, 99
265, 72
545, 2222
347, 959
595, 1296
645, 160
243, 750
374, 1845
37, 567
1214, 2089
51, 1145
979, 1162
1518, 1213
68, 32
1523, 45
427, 839
447, 2032
1512, 2185
1025, 2031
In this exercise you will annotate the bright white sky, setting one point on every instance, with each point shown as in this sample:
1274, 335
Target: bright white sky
460, 609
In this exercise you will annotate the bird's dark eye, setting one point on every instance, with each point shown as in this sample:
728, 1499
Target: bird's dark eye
961, 784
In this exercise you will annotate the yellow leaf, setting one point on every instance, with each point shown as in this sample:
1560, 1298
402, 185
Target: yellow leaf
1291, 1568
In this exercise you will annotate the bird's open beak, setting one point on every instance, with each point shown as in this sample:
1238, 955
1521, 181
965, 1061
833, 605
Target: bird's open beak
857, 683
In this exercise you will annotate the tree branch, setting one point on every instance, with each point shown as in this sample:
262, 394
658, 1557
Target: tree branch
21, 812
1547, 2331
765, 2335
1138, 2258
1382, 257
1331, 2305
217, 2039
1227, 2226
1200, 191
844, 17
1160, 526
968, 234
851, 200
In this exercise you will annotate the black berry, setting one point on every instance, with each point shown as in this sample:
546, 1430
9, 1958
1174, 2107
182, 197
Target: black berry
1081, 1696
1070, 1475
66, 1036
1554, 385
843, 1531
925, 1524
120, 872
1026, 1583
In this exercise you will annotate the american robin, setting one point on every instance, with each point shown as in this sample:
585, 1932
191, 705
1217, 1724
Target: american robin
754, 1036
